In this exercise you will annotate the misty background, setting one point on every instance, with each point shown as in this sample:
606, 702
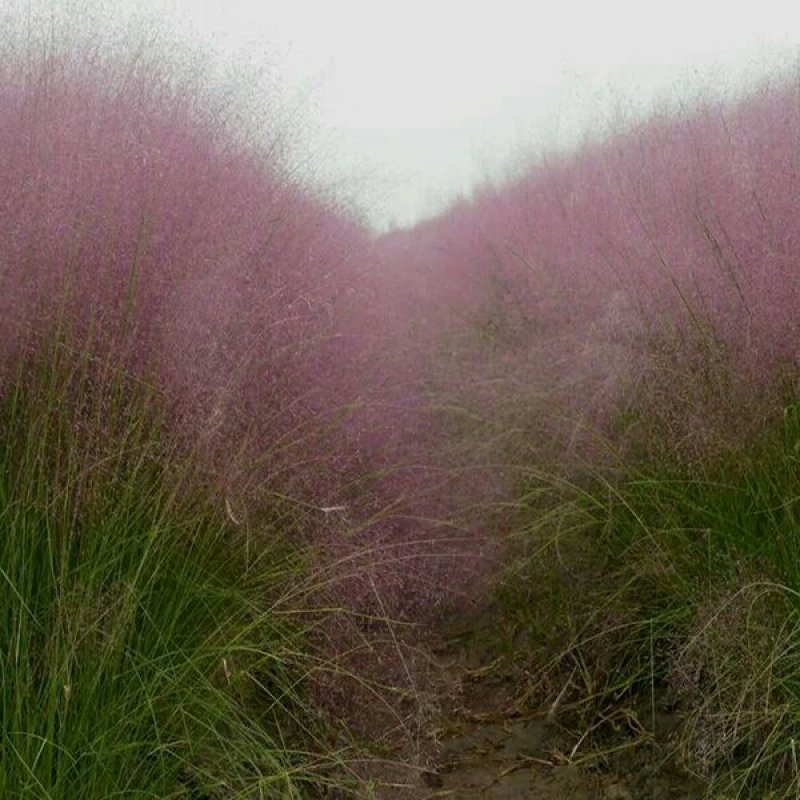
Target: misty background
408, 106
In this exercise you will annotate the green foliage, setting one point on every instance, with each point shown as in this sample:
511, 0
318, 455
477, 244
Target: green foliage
141, 654
680, 582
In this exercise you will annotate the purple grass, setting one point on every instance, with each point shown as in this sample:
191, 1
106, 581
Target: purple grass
654, 270
131, 214
396, 387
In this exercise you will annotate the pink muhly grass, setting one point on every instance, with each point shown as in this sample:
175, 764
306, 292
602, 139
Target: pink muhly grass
139, 223
191, 256
658, 263
651, 273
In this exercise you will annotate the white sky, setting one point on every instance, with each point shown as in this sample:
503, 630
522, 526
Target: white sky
414, 101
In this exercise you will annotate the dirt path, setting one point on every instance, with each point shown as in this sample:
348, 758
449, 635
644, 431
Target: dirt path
487, 750
501, 761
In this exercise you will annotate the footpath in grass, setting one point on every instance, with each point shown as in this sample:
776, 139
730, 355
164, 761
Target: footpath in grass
644, 643
248, 449
489, 741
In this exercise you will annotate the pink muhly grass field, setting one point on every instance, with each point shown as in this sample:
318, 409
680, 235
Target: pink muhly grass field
135, 219
141, 224
393, 388
653, 272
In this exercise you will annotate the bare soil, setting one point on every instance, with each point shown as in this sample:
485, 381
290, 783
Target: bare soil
486, 748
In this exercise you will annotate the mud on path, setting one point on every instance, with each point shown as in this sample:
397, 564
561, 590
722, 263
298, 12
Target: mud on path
487, 749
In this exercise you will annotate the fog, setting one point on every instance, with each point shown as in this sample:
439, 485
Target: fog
410, 105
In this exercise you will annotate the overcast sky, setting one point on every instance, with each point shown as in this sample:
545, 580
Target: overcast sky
414, 101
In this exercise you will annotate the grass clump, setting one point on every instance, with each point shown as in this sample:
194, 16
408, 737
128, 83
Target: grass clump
142, 654
671, 590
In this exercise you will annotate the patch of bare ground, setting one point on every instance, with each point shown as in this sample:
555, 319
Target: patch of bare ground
485, 744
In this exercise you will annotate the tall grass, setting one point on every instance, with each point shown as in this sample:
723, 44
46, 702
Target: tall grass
169, 393
205, 365
671, 588
142, 653
658, 262
137, 210
611, 339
